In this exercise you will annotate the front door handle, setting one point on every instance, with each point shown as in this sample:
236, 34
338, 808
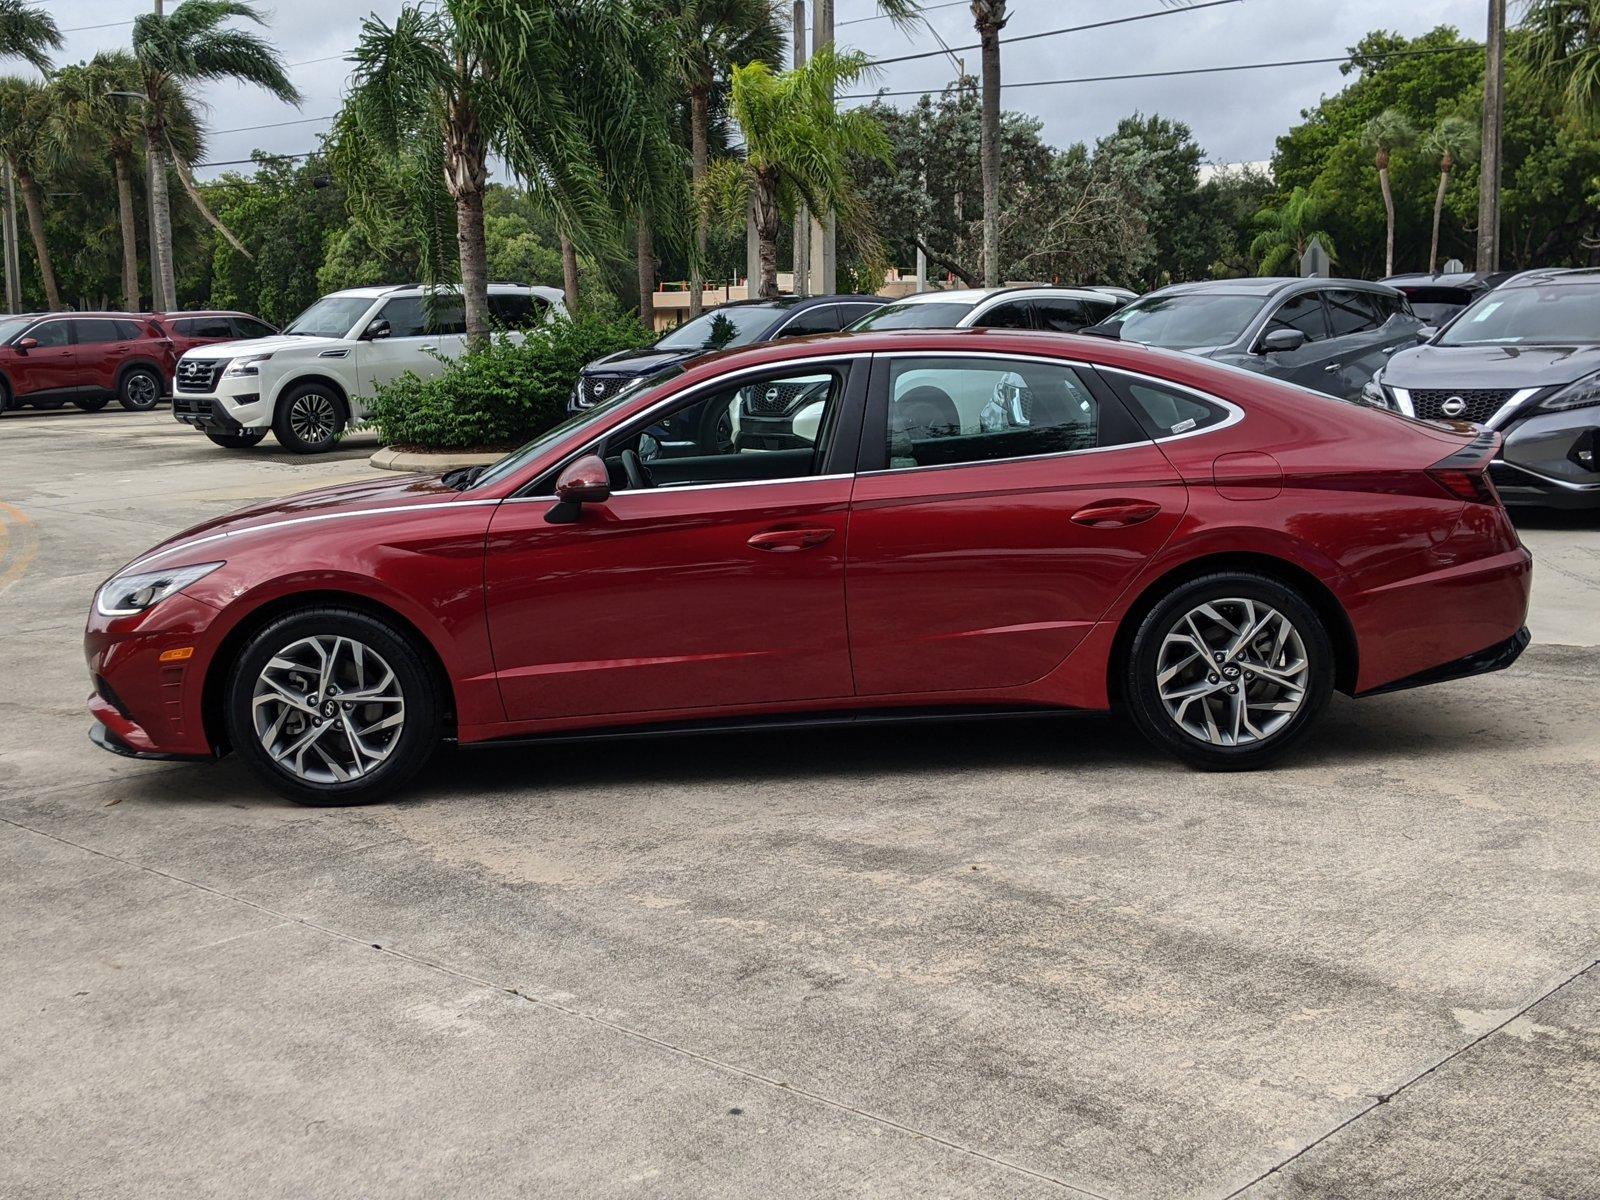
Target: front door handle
1332, 367
1116, 514
787, 541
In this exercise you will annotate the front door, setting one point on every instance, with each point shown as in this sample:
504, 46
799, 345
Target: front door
418, 341
47, 367
1013, 500
1316, 364
712, 578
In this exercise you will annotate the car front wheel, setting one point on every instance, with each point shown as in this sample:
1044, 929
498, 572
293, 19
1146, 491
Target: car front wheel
1229, 671
140, 390
309, 419
333, 706
92, 403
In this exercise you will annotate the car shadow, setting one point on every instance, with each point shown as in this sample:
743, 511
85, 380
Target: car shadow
1556, 518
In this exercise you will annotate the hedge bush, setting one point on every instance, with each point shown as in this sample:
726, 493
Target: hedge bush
498, 395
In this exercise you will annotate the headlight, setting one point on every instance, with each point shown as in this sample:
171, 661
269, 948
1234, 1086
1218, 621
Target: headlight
124, 595
249, 365
1373, 393
1575, 395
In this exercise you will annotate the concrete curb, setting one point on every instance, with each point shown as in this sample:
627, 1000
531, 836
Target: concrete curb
390, 459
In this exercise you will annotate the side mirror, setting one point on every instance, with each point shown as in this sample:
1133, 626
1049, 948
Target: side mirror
1281, 340
586, 481
26, 344
1427, 333
377, 329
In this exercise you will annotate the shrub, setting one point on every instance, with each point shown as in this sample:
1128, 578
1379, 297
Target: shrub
498, 395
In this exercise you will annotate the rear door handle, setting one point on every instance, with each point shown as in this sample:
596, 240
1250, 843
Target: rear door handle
1116, 514
787, 541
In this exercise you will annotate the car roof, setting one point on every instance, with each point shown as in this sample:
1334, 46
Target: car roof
979, 295
1269, 286
1566, 276
418, 289
204, 312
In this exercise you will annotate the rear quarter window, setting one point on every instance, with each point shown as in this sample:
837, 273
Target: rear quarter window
1166, 411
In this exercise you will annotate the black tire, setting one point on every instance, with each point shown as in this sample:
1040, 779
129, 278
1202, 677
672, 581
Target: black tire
92, 403
242, 440
140, 389
423, 706
1226, 591
47, 405
309, 419
5, 397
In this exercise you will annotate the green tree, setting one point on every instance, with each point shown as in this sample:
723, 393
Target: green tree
1560, 40
193, 44
1385, 133
1287, 230
1452, 141
27, 111
27, 33
797, 148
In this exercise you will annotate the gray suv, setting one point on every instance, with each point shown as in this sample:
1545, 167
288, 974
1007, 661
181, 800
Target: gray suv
1329, 335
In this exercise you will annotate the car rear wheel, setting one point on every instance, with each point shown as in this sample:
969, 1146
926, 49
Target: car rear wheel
92, 403
309, 419
140, 390
1229, 671
242, 440
47, 405
333, 706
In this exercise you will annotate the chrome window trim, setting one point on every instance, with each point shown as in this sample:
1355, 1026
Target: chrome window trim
670, 490
777, 330
1235, 413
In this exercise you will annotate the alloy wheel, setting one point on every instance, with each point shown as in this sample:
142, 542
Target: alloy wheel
313, 417
328, 709
141, 390
1233, 672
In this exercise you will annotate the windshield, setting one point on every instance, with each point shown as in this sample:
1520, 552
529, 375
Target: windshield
1550, 314
10, 329
525, 454
330, 317
927, 315
736, 325
1184, 322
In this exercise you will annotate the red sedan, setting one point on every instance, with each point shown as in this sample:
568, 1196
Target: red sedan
946, 522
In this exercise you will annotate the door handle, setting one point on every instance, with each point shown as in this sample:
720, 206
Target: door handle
787, 541
1116, 514
1332, 367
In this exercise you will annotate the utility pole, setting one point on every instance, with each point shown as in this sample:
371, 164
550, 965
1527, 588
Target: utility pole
802, 215
1494, 71
8, 224
824, 272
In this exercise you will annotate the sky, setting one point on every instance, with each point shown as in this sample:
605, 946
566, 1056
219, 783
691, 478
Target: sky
1235, 117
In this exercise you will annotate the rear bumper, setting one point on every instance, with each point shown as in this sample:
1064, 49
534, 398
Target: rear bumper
1496, 658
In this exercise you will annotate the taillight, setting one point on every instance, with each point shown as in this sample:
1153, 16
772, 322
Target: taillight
1465, 474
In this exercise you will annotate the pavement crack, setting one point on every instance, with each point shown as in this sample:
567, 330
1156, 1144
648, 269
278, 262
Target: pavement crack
1384, 1098
616, 1027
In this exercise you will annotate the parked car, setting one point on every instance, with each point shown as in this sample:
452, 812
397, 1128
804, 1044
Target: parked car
1063, 310
1524, 361
186, 330
1034, 523
1329, 335
308, 383
1436, 299
90, 359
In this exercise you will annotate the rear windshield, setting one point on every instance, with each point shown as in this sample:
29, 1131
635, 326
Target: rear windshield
1183, 322
932, 315
724, 329
1548, 314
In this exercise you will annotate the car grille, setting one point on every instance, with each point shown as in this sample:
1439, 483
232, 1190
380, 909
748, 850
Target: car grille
774, 399
592, 389
198, 374
1481, 404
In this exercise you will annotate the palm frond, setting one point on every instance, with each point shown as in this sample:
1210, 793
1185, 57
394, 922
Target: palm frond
27, 33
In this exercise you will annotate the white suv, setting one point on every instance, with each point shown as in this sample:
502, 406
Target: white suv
1058, 309
309, 382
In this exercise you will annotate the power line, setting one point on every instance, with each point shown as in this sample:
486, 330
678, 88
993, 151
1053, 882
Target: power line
886, 16
270, 125
1261, 66
87, 28
1029, 37
236, 162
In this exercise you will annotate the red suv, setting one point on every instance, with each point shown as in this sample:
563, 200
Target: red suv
186, 330
87, 358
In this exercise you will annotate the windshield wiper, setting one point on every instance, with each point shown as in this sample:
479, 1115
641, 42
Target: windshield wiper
462, 477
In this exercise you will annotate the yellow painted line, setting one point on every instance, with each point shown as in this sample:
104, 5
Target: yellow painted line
20, 546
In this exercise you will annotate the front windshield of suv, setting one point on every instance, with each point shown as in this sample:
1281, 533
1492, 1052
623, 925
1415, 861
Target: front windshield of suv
331, 317
1183, 322
10, 329
525, 454
1546, 314
931, 314
724, 329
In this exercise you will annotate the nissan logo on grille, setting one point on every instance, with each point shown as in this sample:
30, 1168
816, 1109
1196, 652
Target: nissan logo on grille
1453, 407
197, 375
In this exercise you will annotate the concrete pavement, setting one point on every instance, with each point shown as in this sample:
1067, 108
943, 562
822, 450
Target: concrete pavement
1019, 960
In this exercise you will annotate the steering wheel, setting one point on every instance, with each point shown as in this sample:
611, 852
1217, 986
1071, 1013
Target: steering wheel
634, 468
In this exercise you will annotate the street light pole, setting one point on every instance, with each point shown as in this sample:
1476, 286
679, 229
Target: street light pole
1494, 71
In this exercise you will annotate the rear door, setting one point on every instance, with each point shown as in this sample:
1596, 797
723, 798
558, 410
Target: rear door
1002, 506
1362, 337
98, 352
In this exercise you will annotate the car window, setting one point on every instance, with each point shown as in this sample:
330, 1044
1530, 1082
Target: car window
723, 328
95, 332
1066, 315
408, 316
1013, 314
50, 334
943, 412
1303, 312
1184, 321
1168, 410
912, 314
1351, 311
849, 314
517, 310
772, 428
249, 327
824, 318
128, 331
210, 327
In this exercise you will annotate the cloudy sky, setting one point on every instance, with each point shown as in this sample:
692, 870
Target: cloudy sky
1234, 116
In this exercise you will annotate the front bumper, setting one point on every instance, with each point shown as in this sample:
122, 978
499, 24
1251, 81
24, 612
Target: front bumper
106, 740
151, 708
1550, 459
222, 411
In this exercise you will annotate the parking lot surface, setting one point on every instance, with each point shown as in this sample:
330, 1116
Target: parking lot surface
1030, 959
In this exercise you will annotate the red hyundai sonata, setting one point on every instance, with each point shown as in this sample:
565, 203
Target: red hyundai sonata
944, 522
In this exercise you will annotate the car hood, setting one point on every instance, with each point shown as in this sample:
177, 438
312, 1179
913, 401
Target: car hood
640, 362
1490, 366
205, 540
266, 345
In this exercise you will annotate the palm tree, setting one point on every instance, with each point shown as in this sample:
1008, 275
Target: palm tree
1287, 231
990, 16
709, 38
26, 113
797, 146
27, 33
1451, 141
1560, 40
193, 44
1387, 132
